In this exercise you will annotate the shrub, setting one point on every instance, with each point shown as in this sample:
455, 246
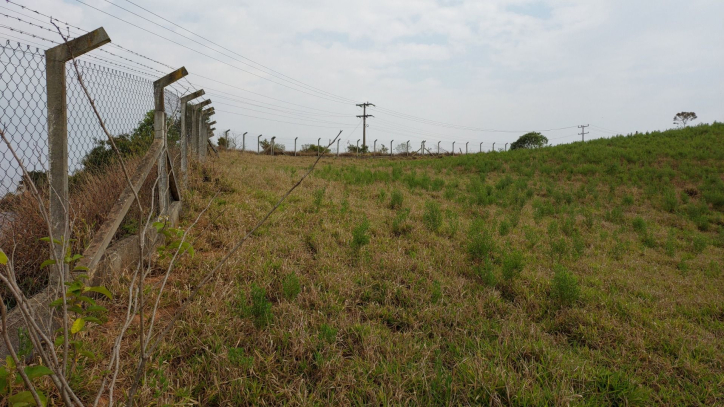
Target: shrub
432, 217
669, 202
260, 309
504, 228
627, 200
670, 245
486, 273
512, 265
481, 245
399, 224
453, 222
318, 197
359, 236
396, 199
700, 242
564, 288
639, 224
291, 286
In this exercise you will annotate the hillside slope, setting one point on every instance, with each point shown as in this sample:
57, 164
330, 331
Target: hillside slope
582, 274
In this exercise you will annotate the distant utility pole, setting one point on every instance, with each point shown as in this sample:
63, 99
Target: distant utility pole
583, 131
364, 121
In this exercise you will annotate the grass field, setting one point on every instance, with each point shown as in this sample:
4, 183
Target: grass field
582, 274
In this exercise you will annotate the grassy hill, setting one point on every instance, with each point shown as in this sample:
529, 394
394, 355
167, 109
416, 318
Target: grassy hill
582, 274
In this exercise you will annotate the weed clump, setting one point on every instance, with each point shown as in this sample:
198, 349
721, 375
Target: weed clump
396, 200
327, 334
291, 286
564, 289
318, 197
512, 265
400, 226
432, 217
359, 236
258, 307
481, 244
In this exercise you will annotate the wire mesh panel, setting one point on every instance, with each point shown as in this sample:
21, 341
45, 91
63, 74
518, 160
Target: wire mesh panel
24, 122
24, 116
124, 102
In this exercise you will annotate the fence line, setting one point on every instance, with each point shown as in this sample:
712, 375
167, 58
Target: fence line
51, 124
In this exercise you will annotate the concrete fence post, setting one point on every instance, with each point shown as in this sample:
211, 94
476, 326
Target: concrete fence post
197, 128
186, 109
391, 141
318, 146
438, 148
295, 146
358, 148
466, 147
338, 147
408, 148
506, 147
258, 143
204, 133
243, 141
272, 145
374, 149
493, 147
160, 133
55, 60
453, 150
481, 148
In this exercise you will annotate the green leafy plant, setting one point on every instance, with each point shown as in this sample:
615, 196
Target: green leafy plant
481, 244
258, 307
396, 199
400, 226
359, 236
513, 263
318, 197
291, 286
564, 288
432, 217
174, 241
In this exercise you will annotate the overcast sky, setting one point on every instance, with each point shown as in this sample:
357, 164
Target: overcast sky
622, 66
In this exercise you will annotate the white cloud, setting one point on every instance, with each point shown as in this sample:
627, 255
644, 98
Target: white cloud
618, 64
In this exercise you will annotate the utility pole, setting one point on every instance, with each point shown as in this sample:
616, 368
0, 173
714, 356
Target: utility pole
364, 121
583, 131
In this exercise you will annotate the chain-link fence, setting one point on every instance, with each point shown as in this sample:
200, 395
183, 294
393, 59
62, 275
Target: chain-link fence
125, 103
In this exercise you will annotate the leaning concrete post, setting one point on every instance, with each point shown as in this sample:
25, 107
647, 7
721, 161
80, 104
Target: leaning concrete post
160, 133
185, 109
55, 59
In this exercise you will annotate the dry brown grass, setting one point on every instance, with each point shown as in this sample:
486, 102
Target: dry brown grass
409, 320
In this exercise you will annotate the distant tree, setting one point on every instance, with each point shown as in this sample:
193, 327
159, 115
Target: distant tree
351, 148
384, 149
223, 142
401, 148
530, 140
266, 147
684, 117
313, 148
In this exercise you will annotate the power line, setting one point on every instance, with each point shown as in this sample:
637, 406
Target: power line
583, 131
235, 53
206, 55
364, 117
